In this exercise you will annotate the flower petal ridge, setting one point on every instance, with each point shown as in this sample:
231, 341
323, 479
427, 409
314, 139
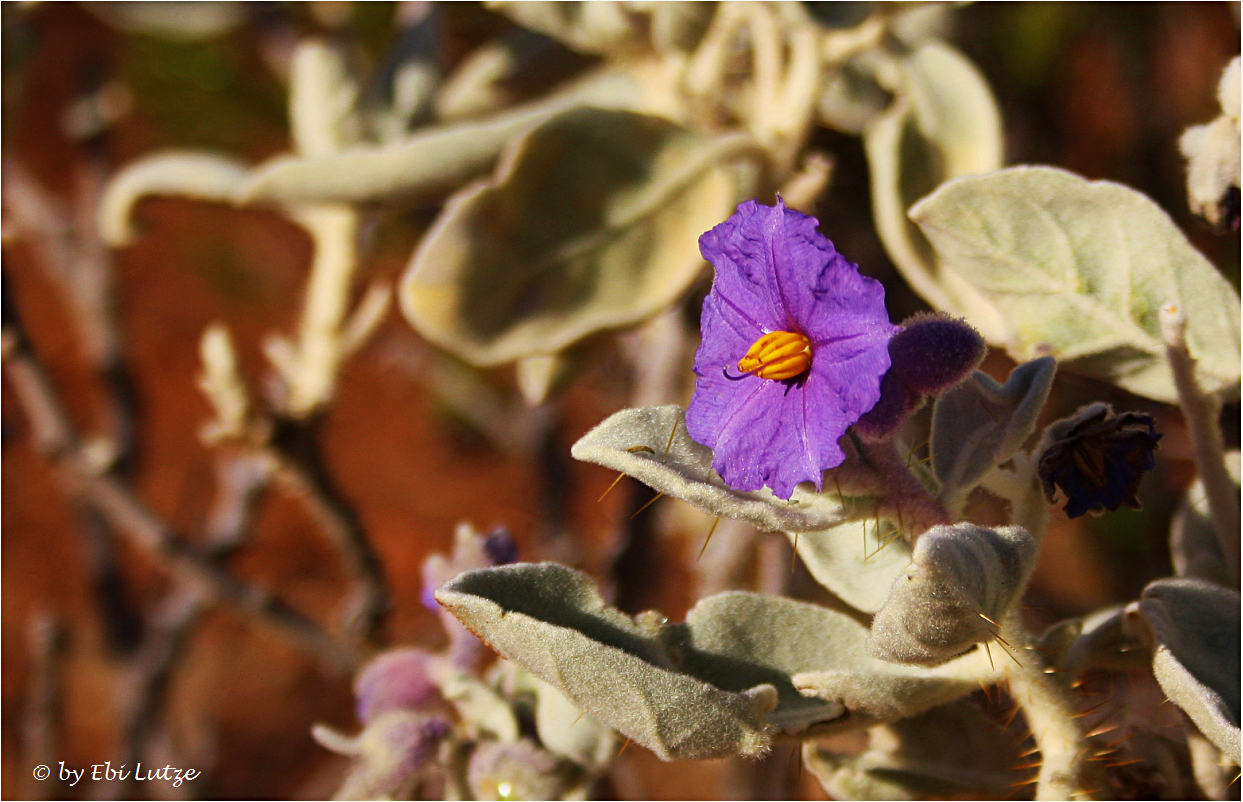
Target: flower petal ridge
776, 273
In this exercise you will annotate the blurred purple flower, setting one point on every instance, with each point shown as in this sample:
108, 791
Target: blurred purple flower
795, 342
396, 679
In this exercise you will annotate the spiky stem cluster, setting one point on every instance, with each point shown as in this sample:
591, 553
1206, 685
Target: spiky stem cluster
1066, 771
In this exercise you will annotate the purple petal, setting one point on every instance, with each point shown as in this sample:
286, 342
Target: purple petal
774, 272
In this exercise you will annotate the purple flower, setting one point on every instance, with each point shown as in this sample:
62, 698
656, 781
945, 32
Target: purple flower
795, 343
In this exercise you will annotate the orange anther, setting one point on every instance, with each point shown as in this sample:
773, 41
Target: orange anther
778, 355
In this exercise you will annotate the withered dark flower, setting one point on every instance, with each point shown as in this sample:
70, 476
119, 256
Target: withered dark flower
1097, 457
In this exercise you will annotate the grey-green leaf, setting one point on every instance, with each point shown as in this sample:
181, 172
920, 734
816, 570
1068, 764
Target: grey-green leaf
1195, 627
551, 620
942, 124
981, 424
652, 445
429, 164
1081, 268
822, 653
590, 223
950, 752
853, 562
1194, 548
743, 668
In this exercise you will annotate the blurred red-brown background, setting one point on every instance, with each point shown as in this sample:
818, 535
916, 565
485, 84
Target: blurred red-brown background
1101, 89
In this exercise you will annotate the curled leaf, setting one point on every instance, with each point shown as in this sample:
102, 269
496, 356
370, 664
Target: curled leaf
590, 223
965, 580
942, 124
1081, 268
652, 445
1195, 630
854, 561
1194, 548
950, 752
202, 176
981, 424
429, 164
550, 620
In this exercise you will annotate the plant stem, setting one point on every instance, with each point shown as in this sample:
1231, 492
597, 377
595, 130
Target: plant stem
1065, 769
1200, 412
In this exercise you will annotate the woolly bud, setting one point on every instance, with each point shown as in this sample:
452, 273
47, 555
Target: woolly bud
396, 679
933, 353
897, 402
965, 579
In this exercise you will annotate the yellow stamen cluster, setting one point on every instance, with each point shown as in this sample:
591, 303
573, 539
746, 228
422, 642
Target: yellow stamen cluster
778, 355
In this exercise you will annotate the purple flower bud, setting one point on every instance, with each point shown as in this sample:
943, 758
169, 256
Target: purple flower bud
1096, 458
500, 546
393, 753
396, 679
519, 770
897, 402
933, 352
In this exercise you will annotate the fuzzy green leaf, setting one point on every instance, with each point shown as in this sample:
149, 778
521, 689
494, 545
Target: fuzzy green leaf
853, 563
725, 682
1081, 269
590, 223
951, 752
551, 621
981, 424
942, 124
638, 442
959, 575
1195, 626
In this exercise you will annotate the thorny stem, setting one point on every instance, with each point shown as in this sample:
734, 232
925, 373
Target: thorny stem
1200, 411
1066, 772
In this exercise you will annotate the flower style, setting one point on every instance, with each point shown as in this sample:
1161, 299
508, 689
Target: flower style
1096, 458
795, 342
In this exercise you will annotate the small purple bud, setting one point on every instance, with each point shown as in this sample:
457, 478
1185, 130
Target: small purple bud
393, 753
518, 770
934, 352
897, 402
500, 546
396, 679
